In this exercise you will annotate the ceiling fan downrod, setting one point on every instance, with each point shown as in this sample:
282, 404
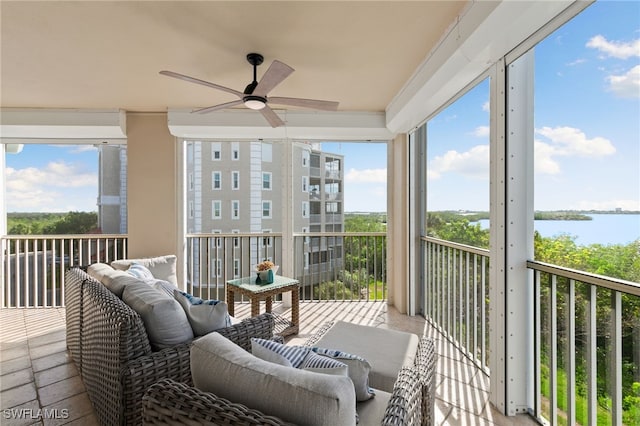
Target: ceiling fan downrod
254, 59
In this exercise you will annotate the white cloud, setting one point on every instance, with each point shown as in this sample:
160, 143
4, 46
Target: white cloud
366, 176
481, 131
473, 163
543, 161
55, 174
569, 141
626, 85
576, 62
47, 189
615, 49
486, 106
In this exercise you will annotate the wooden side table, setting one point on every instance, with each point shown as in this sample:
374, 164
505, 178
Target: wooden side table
255, 292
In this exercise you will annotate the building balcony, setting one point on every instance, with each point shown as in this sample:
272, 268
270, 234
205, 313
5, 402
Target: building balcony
567, 362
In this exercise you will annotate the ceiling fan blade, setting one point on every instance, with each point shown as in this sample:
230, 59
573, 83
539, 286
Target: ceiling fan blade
217, 107
276, 73
271, 117
198, 81
306, 103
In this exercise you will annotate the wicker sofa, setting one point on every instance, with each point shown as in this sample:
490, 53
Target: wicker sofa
410, 402
110, 346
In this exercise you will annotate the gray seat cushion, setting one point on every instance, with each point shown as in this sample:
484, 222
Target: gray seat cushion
302, 397
386, 350
371, 411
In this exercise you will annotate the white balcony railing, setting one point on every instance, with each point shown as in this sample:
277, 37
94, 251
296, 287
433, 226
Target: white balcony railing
32, 267
456, 281
586, 364
587, 347
329, 266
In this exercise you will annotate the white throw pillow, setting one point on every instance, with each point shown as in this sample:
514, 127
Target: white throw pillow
162, 267
164, 319
204, 316
141, 272
97, 270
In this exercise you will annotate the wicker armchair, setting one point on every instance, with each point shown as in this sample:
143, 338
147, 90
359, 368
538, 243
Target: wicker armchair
168, 402
109, 344
411, 402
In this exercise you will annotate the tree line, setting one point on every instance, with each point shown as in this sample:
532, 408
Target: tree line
52, 223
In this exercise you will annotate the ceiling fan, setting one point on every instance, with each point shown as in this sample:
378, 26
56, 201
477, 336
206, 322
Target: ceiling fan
255, 94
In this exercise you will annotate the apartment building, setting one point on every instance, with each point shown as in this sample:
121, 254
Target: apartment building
236, 188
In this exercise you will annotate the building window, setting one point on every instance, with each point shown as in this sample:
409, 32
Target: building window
216, 151
266, 180
305, 209
216, 180
235, 151
305, 158
216, 209
236, 240
235, 209
304, 231
235, 180
305, 180
191, 211
266, 209
332, 207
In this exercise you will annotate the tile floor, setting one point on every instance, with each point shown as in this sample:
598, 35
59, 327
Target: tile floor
40, 384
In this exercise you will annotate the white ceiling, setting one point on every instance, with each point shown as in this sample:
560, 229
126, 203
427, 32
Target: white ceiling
94, 54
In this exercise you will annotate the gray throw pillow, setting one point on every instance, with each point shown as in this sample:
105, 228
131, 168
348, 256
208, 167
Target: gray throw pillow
359, 369
164, 319
204, 316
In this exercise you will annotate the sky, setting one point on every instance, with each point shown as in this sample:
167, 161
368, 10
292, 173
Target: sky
587, 135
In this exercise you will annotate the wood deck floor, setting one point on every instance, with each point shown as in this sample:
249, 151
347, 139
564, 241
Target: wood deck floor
38, 377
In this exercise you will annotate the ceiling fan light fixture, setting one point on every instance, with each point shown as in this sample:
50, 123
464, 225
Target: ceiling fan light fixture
254, 102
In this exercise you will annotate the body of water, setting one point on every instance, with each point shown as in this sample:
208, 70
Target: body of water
602, 229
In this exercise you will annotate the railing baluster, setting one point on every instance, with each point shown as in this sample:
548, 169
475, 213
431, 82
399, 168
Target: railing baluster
25, 271
570, 364
467, 311
483, 315
475, 346
592, 357
537, 383
553, 349
616, 358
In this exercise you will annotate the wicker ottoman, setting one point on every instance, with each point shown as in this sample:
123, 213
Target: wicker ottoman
386, 350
